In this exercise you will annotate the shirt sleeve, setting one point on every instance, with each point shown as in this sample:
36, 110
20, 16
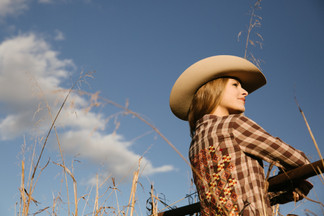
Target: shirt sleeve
254, 140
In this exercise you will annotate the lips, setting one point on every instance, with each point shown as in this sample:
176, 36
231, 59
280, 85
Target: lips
243, 99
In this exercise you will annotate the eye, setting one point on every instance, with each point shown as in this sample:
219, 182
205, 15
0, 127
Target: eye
235, 84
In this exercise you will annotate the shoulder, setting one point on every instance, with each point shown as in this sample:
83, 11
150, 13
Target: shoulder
235, 121
242, 121
241, 117
214, 124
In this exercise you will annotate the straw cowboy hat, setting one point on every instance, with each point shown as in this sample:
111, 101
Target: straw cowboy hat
209, 69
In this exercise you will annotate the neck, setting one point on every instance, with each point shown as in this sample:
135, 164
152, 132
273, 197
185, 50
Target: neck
220, 111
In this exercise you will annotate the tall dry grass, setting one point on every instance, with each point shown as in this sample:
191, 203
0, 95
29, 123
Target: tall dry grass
256, 41
100, 202
253, 38
103, 192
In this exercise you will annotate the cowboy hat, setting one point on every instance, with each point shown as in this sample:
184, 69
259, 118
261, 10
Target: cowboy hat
209, 69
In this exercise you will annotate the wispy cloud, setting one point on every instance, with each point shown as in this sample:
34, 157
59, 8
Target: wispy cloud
30, 74
59, 35
12, 7
27, 65
45, 1
111, 150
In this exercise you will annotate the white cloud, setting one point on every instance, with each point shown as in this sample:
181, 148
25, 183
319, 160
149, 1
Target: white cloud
45, 1
31, 71
110, 150
12, 7
27, 64
24, 60
59, 36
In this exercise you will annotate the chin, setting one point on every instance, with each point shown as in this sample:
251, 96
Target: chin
237, 111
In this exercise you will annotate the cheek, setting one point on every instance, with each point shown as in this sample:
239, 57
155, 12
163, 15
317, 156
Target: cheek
227, 102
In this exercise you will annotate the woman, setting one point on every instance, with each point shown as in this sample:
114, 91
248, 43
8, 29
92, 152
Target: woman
227, 148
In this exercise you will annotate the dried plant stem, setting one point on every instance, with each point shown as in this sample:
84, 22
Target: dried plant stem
97, 196
54, 121
310, 131
128, 111
25, 204
22, 186
115, 190
74, 187
275, 210
53, 126
65, 176
154, 205
131, 203
252, 24
49, 132
172, 204
32, 185
248, 33
320, 174
314, 201
54, 204
61, 153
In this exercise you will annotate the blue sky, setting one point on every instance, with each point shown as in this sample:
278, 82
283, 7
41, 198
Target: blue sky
137, 49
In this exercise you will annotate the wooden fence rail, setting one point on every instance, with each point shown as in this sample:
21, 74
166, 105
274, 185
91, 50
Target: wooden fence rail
275, 183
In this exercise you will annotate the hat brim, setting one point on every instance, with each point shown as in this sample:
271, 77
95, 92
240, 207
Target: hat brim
209, 69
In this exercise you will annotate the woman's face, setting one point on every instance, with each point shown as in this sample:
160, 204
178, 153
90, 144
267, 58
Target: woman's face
233, 99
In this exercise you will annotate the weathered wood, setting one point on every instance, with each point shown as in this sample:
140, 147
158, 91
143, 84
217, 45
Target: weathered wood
184, 210
275, 183
303, 172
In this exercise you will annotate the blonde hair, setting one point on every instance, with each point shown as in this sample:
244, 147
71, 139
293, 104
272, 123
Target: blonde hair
205, 101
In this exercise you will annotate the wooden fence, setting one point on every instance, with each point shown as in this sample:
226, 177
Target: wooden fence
275, 183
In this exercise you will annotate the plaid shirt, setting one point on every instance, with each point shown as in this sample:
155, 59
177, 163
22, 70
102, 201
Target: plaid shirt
226, 154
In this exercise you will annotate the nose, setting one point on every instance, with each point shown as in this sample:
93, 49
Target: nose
244, 92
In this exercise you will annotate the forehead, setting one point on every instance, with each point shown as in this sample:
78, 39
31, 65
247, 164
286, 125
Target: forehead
234, 79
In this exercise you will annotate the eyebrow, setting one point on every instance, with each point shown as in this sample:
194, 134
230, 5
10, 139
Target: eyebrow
236, 81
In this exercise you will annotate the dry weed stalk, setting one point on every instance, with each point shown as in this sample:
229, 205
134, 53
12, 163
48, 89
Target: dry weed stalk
74, 187
115, 190
55, 200
317, 170
131, 203
134, 114
21, 189
128, 111
96, 205
98, 209
254, 22
138, 116
154, 202
60, 150
31, 180
309, 211
275, 210
310, 131
319, 173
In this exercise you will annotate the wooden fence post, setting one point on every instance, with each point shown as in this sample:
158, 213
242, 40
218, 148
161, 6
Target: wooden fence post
275, 183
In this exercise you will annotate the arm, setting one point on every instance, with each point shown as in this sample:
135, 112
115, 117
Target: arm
256, 141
